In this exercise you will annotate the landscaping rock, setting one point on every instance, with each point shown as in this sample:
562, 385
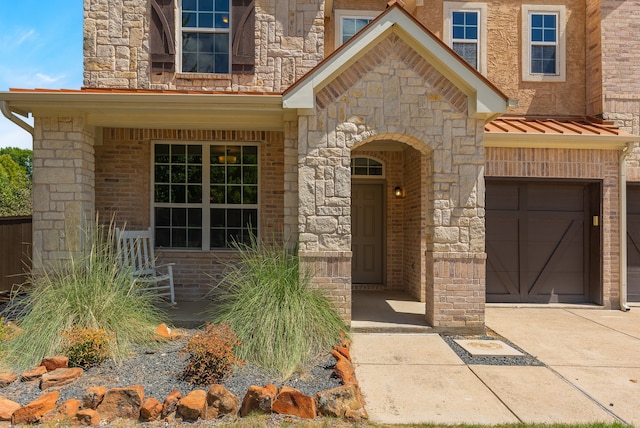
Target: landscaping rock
60, 377
344, 351
290, 401
57, 362
193, 405
344, 369
88, 417
93, 397
221, 403
65, 412
122, 403
342, 402
151, 410
33, 374
258, 399
170, 404
7, 379
32, 412
7, 407
163, 331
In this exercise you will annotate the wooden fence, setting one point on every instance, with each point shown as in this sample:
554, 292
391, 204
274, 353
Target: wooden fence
15, 250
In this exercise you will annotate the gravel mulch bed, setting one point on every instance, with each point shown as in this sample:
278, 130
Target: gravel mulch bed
525, 360
159, 370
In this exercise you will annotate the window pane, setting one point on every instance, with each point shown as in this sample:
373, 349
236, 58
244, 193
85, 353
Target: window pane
550, 35
250, 195
179, 217
471, 18
178, 174
178, 194
178, 152
189, 19
536, 35
217, 195
250, 175
205, 63
206, 5
205, 42
250, 155
189, 5
222, 5
194, 238
221, 63
217, 174
471, 33
162, 174
218, 238
163, 237
468, 51
194, 194
179, 238
250, 218
458, 18
162, 153
234, 218
194, 217
195, 154
234, 175
163, 216
536, 20
222, 20
189, 63
234, 195
161, 193
549, 21
218, 217
195, 174
458, 32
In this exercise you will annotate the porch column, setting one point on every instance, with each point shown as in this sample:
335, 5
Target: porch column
324, 213
63, 187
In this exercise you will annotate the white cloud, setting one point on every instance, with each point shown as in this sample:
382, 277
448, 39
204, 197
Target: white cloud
47, 79
16, 38
11, 135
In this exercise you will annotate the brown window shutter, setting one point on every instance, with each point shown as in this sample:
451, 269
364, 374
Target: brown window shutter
162, 36
243, 36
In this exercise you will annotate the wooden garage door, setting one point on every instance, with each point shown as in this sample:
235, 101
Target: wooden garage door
633, 243
537, 242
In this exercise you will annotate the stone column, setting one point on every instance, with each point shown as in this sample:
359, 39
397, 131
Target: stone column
63, 187
324, 214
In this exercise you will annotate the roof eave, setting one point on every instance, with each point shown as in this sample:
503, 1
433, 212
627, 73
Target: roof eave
558, 141
161, 110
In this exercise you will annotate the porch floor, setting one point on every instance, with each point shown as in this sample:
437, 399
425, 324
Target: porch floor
387, 312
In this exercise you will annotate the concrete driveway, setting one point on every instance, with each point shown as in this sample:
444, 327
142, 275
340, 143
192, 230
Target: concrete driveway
591, 372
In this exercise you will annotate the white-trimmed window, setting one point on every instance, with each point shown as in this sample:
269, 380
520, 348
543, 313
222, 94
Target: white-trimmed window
465, 31
206, 36
205, 195
349, 22
543, 38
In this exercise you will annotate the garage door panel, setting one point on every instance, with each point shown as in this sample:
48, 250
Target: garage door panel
633, 243
539, 254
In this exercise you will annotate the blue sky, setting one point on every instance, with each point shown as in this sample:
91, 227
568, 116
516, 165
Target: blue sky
40, 47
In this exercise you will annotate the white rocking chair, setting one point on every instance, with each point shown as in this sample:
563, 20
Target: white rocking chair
135, 251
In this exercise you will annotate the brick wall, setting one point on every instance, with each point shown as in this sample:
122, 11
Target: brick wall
123, 180
417, 172
572, 164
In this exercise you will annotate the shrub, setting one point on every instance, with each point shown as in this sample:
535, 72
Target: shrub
282, 322
211, 354
86, 347
89, 291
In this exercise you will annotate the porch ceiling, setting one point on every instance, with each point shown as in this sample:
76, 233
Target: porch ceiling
153, 109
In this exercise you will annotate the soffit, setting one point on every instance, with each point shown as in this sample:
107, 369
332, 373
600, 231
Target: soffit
485, 100
558, 132
154, 109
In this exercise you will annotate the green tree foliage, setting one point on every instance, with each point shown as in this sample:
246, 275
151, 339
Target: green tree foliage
15, 182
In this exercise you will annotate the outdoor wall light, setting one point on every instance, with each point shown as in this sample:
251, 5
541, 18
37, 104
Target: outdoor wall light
399, 192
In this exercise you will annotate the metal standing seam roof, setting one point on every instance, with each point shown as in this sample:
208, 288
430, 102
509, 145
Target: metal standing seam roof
553, 126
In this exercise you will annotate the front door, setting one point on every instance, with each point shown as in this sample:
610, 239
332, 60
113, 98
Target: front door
366, 229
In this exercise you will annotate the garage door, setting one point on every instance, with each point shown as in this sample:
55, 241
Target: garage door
538, 242
633, 243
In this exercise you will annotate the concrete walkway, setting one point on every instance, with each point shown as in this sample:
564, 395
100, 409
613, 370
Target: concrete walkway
591, 372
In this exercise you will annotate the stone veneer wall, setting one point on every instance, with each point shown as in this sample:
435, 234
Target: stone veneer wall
63, 187
391, 93
573, 164
123, 191
289, 38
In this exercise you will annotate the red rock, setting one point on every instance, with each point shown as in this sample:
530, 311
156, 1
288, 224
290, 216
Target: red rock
344, 369
290, 401
33, 374
342, 401
151, 410
88, 417
7, 407
258, 399
32, 412
344, 351
93, 397
65, 412
60, 377
57, 362
122, 403
7, 379
194, 405
163, 331
170, 404
221, 402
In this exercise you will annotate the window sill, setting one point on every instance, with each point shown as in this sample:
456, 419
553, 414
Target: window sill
193, 250
543, 78
204, 76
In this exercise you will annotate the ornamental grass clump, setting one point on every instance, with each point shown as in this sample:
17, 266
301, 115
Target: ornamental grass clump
88, 290
282, 322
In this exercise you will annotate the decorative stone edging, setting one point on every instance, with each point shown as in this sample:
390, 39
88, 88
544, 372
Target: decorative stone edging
101, 404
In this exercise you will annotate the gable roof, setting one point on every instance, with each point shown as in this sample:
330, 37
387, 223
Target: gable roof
485, 99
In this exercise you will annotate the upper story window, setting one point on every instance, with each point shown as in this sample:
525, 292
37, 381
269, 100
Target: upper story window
543, 38
205, 195
206, 36
465, 31
349, 22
